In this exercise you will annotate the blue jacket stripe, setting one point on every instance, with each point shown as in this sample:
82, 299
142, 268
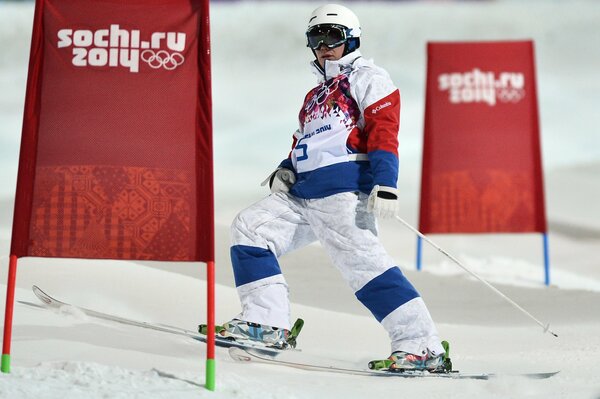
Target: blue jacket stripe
252, 264
333, 179
386, 292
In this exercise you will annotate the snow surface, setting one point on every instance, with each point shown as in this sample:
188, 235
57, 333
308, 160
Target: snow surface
256, 47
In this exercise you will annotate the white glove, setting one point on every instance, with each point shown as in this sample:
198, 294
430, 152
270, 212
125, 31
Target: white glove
383, 202
280, 181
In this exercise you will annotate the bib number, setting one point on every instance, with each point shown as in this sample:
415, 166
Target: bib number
303, 148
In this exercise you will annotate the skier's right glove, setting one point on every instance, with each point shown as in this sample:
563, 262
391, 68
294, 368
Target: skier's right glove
383, 202
280, 181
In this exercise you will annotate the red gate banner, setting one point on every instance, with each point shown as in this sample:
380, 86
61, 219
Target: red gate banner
116, 155
482, 167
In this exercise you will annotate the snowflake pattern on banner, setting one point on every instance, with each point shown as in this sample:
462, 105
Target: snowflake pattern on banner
112, 212
486, 200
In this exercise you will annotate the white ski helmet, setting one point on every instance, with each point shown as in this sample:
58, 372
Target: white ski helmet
334, 15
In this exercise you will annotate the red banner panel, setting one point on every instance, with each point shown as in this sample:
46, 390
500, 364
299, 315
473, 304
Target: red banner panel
482, 167
116, 155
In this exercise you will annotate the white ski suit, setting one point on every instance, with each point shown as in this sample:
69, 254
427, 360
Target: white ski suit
346, 143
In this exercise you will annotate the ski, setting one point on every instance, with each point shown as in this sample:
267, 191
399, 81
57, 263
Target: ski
53, 303
307, 362
314, 363
248, 352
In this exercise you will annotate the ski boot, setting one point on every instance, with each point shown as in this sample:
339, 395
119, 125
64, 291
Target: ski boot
402, 361
273, 337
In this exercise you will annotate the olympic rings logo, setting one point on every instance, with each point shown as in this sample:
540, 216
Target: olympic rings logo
322, 93
162, 59
510, 95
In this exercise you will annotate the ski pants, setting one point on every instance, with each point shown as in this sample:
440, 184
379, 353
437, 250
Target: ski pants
281, 223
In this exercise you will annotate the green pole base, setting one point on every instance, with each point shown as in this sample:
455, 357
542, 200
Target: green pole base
5, 363
210, 374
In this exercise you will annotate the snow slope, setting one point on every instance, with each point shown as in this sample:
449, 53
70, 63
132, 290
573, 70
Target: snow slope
66, 354
256, 47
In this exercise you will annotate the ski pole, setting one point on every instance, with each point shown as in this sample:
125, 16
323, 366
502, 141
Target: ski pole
546, 327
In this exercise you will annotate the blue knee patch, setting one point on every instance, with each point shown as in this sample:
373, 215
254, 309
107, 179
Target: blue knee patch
386, 292
252, 263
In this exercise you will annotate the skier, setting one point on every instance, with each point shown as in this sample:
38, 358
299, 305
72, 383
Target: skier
340, 175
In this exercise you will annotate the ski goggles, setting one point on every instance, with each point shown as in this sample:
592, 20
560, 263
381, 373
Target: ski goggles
331, 36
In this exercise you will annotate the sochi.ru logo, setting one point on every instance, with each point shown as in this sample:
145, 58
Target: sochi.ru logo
483, 87
116, 47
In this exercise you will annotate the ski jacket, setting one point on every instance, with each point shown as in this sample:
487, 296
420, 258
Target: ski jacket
348, 135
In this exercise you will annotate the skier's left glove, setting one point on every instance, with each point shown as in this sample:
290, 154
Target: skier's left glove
383, 202
281, 180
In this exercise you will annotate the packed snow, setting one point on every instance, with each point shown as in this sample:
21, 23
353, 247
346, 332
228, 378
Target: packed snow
260, 75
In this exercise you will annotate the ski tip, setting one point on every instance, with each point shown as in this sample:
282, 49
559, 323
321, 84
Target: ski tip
41, 295
541, 376
37, 290
547, 329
